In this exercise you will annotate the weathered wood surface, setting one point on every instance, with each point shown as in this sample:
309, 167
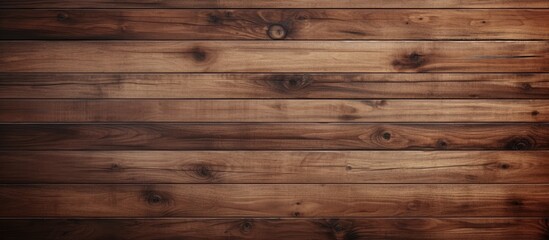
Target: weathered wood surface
188, 86
274, 200
273, 56
274, 4
301, 24
265, 136
274, 111
274, 167
249, 228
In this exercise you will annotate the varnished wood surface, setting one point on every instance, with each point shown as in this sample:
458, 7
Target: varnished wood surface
266, 136
273, 56
299, 24
261, 85
322, 229
274, 200
274, 4
274, 111
274, 167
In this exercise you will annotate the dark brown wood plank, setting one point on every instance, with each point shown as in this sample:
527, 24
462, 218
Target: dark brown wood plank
273, 56
273, 136
274, 111
322, 229
274, 200
301, 24
274, 4
381, 86
273, 167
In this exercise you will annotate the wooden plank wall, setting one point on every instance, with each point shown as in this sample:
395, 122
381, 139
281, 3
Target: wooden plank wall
287, 119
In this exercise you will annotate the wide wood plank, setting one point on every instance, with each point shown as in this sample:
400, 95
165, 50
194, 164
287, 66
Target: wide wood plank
188, 86
273, 136
275, 229
274, 111
302, 24
273, 56
274, 4
273, 167
274, 200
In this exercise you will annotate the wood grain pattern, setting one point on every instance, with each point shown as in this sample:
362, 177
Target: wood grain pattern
321, 229
274, 167
274, 4
273, 56
274, 200
266, 136
274, 111
300, 24
188, 86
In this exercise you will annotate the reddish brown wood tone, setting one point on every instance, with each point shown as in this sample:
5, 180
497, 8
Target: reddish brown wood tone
287, 119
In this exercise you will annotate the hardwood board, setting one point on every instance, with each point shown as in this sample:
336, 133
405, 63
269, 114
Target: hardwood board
274, 200
59, 111
273, 56
320, 229
188, 86
274, 4
273, 167
299, 24
273, 136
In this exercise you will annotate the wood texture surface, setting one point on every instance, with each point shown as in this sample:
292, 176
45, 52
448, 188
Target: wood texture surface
274, 167
274, 200
300, 24
188, 86
322, 229
274, 111
273, 56
274, 4
266, 136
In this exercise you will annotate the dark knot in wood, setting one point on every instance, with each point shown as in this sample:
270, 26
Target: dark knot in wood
520, 144
387, 136
214, 19
153, 198
289, 83
277, 32
246, 226
442, 144
62, 16
410, 61
199, 54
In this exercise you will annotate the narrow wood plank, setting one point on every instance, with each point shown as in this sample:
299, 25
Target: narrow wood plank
322, 229
274, 4
273, 56
273, 167
188, 86
273, 136
274, 111
301, 24
274, 200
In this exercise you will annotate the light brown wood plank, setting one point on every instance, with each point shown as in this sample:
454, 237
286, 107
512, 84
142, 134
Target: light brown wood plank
275, 4
274, 200
273, 56
322, 229
302, 24
381, 86
274, 111
273, 167
273, 136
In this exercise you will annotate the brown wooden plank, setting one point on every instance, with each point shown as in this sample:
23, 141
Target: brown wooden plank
274, 111
274, 4
321, 229
273, 167
301, 24
274, 200
273, 56
273, 136
381, 86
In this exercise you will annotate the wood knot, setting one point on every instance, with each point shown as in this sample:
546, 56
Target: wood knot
62, 16
214, 19
415, 205
296, 214
203, 172
526, 86
504, 166
520, 144
246, 226
153, 198
289, 83
442, 144
386, 136
199, 54
516, 202
535, 113
277, 32
410, 61
115, 167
